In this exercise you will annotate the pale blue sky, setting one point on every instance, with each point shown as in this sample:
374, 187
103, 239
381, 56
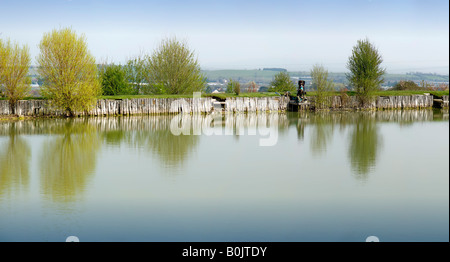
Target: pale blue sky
412, 35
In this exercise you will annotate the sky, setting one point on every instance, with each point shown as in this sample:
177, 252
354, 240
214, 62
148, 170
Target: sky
411, 35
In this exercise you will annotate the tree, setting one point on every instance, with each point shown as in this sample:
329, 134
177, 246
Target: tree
114, 80
233, 86
135, 74
366, 74
282, 83
236, 87
14, 64
69, 71
173, 69
229, 89
322, 85
252, 87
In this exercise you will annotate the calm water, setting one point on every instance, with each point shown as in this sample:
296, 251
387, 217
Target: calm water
328, 177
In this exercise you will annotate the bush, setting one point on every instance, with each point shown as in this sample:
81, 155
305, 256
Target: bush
114, 82
406, 85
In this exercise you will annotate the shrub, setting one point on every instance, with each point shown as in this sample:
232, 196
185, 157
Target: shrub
114, 82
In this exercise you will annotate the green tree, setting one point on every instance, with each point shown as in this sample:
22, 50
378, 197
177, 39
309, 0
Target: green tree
69, 71
322, 85
366, 74
233, 86
135, 75
114, 82
14, 64
281, 83
237, 87
229, 89
174, 69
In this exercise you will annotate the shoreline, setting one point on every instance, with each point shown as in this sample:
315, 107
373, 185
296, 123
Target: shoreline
28, 109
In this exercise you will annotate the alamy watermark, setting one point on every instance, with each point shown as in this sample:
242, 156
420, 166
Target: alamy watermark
263, 124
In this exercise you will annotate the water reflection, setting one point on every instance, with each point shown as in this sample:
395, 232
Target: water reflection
15, 158
364, 145
149, 134
322, 132
68, 160
69, 157
365, 140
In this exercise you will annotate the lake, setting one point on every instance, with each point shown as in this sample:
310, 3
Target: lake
338, 176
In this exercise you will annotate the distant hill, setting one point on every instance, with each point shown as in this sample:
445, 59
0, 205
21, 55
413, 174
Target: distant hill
264, 77
275, 69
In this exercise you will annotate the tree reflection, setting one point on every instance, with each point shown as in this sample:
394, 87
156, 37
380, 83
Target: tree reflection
322, 132
114, 137
364, 144
152, 134
14, 164
171, 149
68, 161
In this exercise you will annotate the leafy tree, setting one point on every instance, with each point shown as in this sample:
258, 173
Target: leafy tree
281, 83
173, 69
233, 86
322, 85
366, 74
14, 64
229, 89
69, 71
135, 74
114, 82
237, 87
